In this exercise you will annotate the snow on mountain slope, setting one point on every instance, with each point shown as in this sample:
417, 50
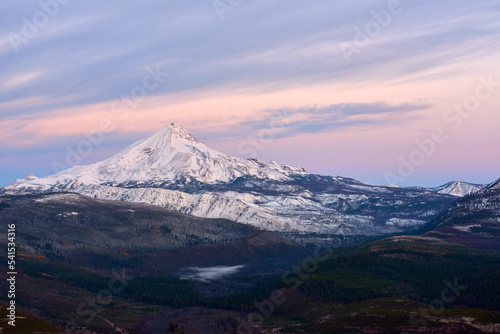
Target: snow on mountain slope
473, 220
173, 170
454, 188
494, 185
170, 155
459, 188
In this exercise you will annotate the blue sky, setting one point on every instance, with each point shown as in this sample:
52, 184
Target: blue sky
354, 84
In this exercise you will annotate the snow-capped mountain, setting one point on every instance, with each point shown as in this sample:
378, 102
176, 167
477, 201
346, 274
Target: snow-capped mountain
459, 188
473, 220
494, 185
171, 155
455, 188
172, 169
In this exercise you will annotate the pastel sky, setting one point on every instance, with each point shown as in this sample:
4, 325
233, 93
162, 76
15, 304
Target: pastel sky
404, 92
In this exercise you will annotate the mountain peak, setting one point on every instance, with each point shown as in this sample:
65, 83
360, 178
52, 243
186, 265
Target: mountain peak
458, 188
495, 185
171, 155
173, 131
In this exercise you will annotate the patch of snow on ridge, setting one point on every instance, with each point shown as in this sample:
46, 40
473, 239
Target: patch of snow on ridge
459, 188
405, 222
466, 228
208, 273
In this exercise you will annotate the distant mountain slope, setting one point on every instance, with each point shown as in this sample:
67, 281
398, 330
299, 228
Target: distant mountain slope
458, 188
171, 169
86, 231
473, 220
454, 188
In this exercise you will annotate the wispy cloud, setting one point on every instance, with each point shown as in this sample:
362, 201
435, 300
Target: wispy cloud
94, 52
61, 82
288, 122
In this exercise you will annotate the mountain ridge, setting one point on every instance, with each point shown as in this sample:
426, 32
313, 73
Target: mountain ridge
173, 170
170, 155
454, 188
473, 220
